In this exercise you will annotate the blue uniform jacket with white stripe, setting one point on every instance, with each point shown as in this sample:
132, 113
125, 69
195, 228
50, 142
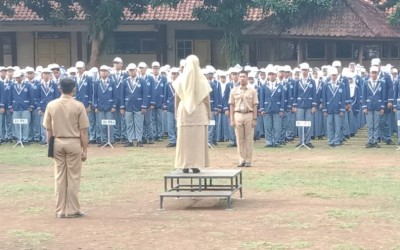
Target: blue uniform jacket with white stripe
304, 95
333, 98
169, 98
272, 101
374, 98
104, 96
134, 95
21, 97
85, 90
159, 90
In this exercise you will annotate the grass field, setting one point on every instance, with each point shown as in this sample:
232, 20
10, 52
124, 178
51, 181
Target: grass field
344, 198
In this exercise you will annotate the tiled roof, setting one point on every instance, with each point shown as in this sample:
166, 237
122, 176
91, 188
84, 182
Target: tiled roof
350, 18
183, 12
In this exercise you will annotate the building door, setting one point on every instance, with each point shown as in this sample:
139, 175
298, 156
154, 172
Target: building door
53, 51
202, 48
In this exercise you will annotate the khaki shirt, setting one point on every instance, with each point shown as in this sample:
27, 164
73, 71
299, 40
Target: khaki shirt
66, 117
243, 98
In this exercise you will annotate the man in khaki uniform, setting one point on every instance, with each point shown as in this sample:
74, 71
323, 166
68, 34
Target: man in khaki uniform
66, 120
243, 102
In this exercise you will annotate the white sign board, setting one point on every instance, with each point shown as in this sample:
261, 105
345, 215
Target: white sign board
398, 123
303, 123
108, 122
20, 121
212, 123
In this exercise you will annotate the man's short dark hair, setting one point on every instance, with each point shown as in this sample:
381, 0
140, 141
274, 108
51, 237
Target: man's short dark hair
244, 72
67, 85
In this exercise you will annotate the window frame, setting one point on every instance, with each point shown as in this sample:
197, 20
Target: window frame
316, 58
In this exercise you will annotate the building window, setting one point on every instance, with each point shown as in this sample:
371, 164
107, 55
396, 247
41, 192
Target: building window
184, 48
316, 49
133, 43
265, 50
7, 44
344, 50
371, 51
390, 50
287, 50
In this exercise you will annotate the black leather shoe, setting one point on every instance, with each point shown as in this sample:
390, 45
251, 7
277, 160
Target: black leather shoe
129, 144
171, 145
92, 142
232, 145
151, 142
76, 215
240, 165
196, 170
140, 144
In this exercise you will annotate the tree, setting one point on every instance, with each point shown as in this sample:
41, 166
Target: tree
393, 18
229, 16
102, 16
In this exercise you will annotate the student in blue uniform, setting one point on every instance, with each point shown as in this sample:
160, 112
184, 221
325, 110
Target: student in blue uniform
333, 106
47, 91
84, 94
118, 75
2, 105
374, 96
35, 125
159, 90
105, 102
9, 128
317, 124
223, 125
272, 107
134, 104
215, 103
21, 104
234, 82
354, 112
148, 136
304, 102
280, 78
289, 127
169, 107
396, 106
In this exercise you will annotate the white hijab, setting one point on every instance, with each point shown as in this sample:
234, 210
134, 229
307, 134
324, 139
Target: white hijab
192, 86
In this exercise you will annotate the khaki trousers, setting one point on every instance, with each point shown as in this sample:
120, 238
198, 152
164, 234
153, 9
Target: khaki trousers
67, 173
244, 136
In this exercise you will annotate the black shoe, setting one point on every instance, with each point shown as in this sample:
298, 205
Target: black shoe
352, 135
196, 170
101, 145
140, 144
240, 165
185, 170
129, 144
158, 140
298, 145
92, 142
268, 146
232, 145
215, 143
310, 145
144, 141
389, 142
171, 145
247, 164
376, 145
117, 140
331, 145
151, 142
77, 215
320, 137
369, 145
312, 137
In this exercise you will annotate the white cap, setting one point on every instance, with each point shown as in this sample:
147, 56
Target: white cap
79, 64
280, 68
174, 70
247, 68
155, 64
287, 68
296, 70
117, 60
394, 70
2, 68
94, 70
253, 74
269, 70
10, 68
130, 66
336, 64
29, 69
375, 62
205, 71
142, 65
54, 66
211, 69
235, 70
104, 67
304, 66
47, 70
182, 63
374, 69
17, 73
72, 70
333, 71
220, 73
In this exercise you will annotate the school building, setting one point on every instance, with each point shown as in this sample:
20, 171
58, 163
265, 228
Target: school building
354, 30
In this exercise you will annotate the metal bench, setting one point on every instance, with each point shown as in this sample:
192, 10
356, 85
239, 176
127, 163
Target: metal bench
204, 184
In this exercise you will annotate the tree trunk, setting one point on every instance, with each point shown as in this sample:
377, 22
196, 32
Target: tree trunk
95, 53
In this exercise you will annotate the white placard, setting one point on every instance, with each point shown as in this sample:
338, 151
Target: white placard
398, 123
108, 122
212, 123
303, 123
20, 121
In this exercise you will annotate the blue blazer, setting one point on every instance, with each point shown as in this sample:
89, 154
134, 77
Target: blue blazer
104, 97
21, 99
169, 98
227, 93
44, 96
118, 84
215, 100
374, 99
2, 94
159, 90
150, 83
272, 101
304, 96
333, 99
85, 90
134, 95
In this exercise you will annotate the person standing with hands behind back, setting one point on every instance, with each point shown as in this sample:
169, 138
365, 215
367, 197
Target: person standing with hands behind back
243, 103
66, 121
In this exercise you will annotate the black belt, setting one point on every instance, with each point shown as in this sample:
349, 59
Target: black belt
244, 112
